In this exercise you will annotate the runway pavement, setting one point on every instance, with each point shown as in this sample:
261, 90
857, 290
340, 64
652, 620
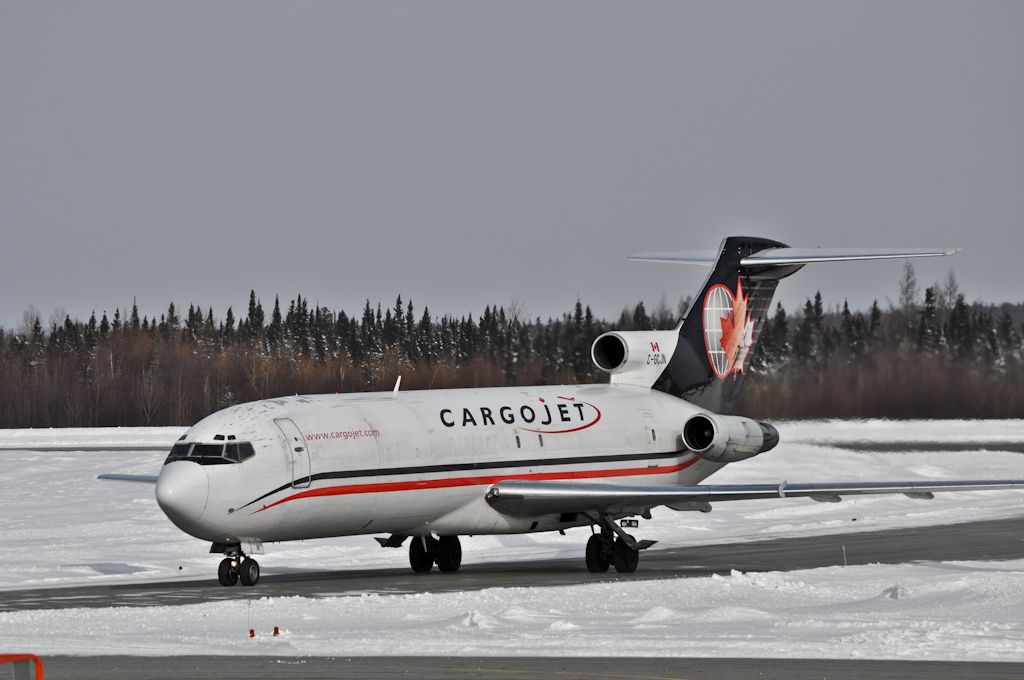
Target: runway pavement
990, 540
465, 668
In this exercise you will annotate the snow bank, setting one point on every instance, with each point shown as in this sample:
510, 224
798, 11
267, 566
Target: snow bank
90, 437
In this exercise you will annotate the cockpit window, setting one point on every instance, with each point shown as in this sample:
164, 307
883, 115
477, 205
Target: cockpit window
207, 451
246, 451
179, 450
220, 453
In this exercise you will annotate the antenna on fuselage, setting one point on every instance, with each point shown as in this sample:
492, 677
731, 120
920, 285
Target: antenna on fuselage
398, 383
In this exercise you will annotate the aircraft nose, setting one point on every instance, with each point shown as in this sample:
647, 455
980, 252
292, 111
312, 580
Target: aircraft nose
182, 490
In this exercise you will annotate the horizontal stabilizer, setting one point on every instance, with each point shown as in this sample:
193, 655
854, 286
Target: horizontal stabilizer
518, 497
793, 256
146, 479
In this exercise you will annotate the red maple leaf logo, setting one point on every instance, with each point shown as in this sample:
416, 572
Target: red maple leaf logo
737, 332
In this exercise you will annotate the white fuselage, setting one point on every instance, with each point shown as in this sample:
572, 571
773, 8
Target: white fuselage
419, 462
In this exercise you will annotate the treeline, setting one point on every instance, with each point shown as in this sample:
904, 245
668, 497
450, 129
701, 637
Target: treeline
927, 356
936, 356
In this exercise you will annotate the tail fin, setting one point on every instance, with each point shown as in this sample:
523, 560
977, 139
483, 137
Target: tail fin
724, 321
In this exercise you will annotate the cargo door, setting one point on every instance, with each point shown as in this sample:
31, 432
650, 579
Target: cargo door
298, 451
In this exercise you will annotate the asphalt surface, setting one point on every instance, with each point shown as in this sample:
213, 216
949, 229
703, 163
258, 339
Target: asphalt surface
916, 446
458, 668
991, 540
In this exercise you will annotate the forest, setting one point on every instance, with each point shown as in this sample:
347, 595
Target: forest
927, 354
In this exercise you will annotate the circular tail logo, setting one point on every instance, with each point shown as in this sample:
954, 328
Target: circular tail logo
728, 329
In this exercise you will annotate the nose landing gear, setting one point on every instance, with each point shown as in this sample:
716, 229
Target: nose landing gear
237, 567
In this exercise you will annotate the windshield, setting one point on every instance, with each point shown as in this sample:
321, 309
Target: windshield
212, 454
179, 451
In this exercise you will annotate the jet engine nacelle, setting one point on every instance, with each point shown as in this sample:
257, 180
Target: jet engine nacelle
727, 439
634, 357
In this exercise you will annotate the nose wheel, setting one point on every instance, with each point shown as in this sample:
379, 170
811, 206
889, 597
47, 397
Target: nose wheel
227, 572
237, 568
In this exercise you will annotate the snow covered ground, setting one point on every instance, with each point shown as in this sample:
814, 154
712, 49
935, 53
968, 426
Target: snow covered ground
951, 611
60, 526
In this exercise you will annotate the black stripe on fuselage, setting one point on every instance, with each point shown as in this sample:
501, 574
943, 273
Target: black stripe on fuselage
462, 467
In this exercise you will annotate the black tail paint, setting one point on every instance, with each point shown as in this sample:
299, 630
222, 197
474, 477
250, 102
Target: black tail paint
722, 325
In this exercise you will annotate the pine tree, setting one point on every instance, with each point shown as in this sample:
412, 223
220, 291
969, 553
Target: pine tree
276, 328
641, 321
254, 320
172, 320
72, 336
91, 333
398, 325
875, 321
1009, 340
848, 330
927, 335
805, 340
412, 346
960, 330
425, 337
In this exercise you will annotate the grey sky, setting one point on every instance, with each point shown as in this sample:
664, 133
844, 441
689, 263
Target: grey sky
468, 153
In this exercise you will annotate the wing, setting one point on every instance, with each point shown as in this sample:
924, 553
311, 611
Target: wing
147, 479
525, 498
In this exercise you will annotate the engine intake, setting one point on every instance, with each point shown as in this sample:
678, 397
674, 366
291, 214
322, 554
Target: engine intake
728, 439
609, 352
634, 357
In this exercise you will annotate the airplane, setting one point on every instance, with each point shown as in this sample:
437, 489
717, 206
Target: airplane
434, 465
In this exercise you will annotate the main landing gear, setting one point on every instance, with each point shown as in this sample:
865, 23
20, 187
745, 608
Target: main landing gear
238, 567
426, 551
613, 547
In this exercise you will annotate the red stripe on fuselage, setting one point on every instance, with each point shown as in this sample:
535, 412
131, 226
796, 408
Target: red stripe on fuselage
418, 484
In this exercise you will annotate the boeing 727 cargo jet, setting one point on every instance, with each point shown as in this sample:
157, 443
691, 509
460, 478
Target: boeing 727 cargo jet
430, 466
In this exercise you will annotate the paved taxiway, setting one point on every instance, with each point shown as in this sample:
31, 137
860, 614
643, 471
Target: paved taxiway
464, 668
990, 540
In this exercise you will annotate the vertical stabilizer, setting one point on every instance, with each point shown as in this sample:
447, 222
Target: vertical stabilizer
722, 325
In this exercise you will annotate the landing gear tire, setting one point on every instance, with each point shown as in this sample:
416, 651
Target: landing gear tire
625, 558
420, 558
598, 560
448, 554
227, 573
249, 572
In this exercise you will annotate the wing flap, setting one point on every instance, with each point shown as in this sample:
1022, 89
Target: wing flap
516, 497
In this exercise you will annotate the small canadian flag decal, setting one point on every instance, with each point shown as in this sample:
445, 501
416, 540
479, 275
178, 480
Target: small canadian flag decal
728, 329
655, 347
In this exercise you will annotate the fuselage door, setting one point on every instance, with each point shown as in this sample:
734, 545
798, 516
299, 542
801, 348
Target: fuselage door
298, 451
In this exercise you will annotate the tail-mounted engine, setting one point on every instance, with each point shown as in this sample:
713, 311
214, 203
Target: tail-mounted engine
727, 439
634, 357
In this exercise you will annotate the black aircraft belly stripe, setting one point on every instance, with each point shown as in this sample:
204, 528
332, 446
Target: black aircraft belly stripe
460, 467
